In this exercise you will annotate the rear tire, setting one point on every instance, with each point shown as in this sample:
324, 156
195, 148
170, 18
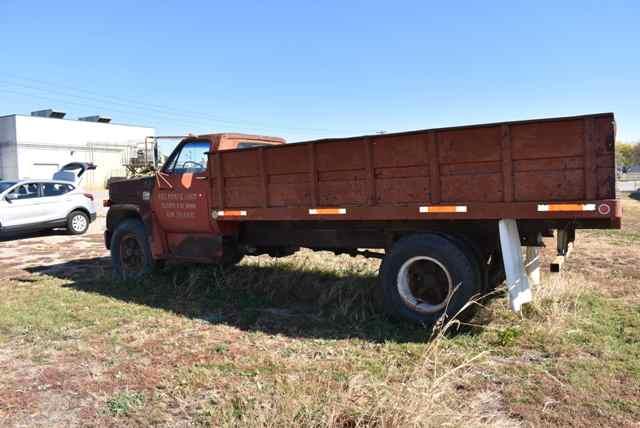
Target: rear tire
473, 254
77, 223
130, 251
426, 277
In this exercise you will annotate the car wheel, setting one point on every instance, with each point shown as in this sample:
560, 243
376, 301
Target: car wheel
77, 223
130, 251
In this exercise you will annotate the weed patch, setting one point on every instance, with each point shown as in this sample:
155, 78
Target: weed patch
124, 403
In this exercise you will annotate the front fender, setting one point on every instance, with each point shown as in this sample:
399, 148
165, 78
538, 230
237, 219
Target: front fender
120, 212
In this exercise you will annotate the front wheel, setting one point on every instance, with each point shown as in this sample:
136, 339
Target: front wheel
426, 277
130, 251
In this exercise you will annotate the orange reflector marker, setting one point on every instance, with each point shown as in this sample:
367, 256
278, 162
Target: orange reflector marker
327, 211
444, 209
240, 213
566, 207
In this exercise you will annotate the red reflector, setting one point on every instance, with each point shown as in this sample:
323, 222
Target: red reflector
89, 196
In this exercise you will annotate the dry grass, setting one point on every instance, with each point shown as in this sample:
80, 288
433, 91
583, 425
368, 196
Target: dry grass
300, 341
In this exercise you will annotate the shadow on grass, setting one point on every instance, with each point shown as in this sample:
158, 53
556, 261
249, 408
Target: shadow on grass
277, 299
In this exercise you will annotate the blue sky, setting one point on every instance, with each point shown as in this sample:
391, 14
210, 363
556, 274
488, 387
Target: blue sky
306, 70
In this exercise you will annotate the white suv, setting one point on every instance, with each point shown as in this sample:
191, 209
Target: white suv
30, 205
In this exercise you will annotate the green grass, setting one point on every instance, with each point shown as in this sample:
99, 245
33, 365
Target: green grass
124, 402
301, 341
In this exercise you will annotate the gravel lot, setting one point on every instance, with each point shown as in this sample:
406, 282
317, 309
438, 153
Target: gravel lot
53, 252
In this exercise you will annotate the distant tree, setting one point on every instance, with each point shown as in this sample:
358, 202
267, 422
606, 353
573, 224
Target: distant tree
625, 154
635, 154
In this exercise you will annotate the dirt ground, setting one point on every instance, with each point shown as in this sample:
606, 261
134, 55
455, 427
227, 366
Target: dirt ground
52, 252
299, 341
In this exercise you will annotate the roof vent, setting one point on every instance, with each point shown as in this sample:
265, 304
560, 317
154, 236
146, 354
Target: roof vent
48, 113
96, 118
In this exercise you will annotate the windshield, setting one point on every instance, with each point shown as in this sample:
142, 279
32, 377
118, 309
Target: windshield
166, 146
191, 157
4, 185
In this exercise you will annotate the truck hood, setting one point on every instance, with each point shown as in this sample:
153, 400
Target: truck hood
130, 191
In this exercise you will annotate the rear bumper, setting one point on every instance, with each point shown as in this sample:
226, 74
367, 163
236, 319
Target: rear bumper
93, 217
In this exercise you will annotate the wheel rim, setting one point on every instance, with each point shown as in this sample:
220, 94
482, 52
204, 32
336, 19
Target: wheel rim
79, 223
424, 284
131, 254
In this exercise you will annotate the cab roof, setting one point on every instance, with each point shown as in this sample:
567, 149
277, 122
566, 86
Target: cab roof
235, 136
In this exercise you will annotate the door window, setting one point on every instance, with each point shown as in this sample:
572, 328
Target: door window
26, 191
55, 189
192, 157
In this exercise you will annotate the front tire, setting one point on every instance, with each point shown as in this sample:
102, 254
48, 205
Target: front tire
130, 251
77, 223
426, 277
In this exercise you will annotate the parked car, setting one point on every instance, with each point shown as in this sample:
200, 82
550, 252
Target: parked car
32, 205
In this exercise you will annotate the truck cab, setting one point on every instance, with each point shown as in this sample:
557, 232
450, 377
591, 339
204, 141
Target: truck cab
168, 216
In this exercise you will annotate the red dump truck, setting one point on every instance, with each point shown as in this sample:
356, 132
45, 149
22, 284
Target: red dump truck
450, 207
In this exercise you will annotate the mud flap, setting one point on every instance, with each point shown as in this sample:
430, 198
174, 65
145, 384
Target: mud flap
517, 281
532, 265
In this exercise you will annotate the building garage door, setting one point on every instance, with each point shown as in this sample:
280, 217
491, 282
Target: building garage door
44, 170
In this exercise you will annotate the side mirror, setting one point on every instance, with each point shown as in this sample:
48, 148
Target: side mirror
11, 197
156, 155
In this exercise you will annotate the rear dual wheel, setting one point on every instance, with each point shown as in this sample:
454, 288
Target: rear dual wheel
428, 276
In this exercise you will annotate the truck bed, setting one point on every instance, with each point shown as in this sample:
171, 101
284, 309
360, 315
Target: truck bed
560, 168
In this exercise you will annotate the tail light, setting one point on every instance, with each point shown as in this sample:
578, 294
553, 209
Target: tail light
106, 203
88, 196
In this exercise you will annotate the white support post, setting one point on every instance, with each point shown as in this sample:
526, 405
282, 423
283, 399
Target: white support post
517, 282
532, 265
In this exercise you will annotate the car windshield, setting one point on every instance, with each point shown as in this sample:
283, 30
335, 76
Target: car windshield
4, 185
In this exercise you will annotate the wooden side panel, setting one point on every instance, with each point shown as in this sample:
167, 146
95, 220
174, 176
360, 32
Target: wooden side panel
549, 185
290, 190
400, 169
214, 192
548, 161
590, 171
435, 184
472, 188
243, 192
341, 169
240, 164
242, 182
547, 139
535, 161
470, 165
507, 164
288, 178
604, 144
469, 145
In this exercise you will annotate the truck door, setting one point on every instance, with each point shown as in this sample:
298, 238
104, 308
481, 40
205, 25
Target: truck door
181, 203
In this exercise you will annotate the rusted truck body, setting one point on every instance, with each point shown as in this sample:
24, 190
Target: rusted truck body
451, 207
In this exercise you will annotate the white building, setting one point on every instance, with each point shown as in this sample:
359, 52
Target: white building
36, 146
